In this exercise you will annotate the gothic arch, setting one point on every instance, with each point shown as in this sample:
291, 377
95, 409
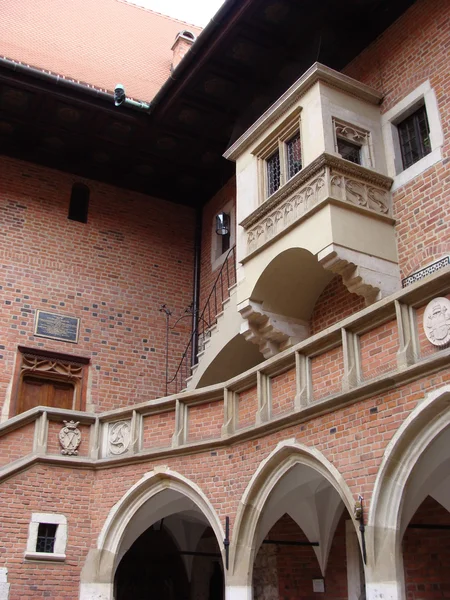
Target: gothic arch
421, 428
98, 572
286, 456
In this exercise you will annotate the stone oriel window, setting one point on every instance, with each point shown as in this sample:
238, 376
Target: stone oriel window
280, 156
48, 379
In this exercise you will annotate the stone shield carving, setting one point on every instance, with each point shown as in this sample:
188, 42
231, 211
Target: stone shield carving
436, 321
119, 437
70, 438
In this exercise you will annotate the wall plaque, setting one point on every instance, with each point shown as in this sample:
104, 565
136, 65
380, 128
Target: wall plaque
57, 327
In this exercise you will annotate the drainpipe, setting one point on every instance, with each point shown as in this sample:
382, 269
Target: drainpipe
196, 294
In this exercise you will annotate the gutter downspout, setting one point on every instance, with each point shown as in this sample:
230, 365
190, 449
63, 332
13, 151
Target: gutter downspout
196, 294
55, 79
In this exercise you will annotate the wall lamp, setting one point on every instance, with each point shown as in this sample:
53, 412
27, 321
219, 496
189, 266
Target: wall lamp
222, 224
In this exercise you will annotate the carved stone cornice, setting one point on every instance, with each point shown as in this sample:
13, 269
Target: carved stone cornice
344, 167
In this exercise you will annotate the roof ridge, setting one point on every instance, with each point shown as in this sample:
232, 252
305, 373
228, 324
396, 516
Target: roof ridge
135, 5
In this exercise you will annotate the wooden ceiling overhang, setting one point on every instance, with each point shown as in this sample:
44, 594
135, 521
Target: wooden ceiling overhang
243, 61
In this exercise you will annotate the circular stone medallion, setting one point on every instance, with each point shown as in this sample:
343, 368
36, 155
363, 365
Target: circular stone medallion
436, 321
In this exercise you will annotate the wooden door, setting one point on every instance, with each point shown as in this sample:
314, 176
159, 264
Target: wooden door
36, 391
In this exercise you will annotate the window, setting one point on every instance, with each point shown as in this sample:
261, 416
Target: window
284, 160
414, 136
273, 173
349, 151
353, 143
221, 244
48, 379
47, 537
79, 203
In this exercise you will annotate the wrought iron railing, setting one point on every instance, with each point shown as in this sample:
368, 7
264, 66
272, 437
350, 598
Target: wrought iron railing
220, 292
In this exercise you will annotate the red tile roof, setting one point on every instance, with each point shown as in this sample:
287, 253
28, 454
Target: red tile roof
99, 42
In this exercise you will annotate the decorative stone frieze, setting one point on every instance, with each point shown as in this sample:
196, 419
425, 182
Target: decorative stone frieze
119, 437
49, 366
328, 178
70, 438
436, 321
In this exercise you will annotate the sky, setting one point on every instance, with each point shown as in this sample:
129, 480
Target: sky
196, 12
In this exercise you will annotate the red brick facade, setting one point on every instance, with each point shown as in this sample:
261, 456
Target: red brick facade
136, 253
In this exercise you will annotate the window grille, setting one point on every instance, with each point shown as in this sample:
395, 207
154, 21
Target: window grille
46, 537
273, 173
349, 151
294, 157
414, 135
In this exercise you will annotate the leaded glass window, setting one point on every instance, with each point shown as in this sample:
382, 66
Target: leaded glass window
414, 135
349, 151
294, 156
46, 537
273, 173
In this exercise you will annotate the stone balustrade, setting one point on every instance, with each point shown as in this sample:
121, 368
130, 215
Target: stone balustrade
338, 366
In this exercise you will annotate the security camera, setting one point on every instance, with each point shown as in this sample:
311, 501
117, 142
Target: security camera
119, 94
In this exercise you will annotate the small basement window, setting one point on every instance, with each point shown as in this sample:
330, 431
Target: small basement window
46, 537
79, 203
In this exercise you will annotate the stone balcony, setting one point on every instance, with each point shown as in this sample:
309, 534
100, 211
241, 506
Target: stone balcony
328, 180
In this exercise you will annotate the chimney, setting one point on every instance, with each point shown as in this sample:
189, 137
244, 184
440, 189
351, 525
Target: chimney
183, 42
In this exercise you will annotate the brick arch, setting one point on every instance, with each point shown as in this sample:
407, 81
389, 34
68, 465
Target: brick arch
286, 456
97, 576
424, 257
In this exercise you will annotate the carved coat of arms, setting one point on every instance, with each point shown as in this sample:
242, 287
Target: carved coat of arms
119, 437
436, 321
70, 438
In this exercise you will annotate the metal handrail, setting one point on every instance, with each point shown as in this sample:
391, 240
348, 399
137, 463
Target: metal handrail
207, 318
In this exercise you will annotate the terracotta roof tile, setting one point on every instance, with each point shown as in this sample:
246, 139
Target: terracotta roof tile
101, 42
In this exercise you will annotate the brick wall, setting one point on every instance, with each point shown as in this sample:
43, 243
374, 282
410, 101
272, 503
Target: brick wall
334, 304
413, 50
426, 554
134, 254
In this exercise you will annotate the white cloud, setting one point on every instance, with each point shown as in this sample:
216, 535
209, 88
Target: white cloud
196, 12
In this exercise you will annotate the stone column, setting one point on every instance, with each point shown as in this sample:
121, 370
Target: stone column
238, 592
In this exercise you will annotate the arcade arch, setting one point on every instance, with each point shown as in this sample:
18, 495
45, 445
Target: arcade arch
162, 501
412, 487
296, 499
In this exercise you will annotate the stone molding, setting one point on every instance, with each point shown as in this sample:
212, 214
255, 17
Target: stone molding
317, 72
271, 332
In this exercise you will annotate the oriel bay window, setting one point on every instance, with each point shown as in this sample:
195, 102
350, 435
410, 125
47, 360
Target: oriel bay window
281, 159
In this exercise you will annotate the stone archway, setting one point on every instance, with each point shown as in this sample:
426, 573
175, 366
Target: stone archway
415, 465
297, 481
156, 496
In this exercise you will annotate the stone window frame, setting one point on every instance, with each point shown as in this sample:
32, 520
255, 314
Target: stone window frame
61, 362
59, 551
277, 140
217, 256
423, 95
357, 136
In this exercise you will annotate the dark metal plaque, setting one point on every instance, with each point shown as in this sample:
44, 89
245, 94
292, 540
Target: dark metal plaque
57, 327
